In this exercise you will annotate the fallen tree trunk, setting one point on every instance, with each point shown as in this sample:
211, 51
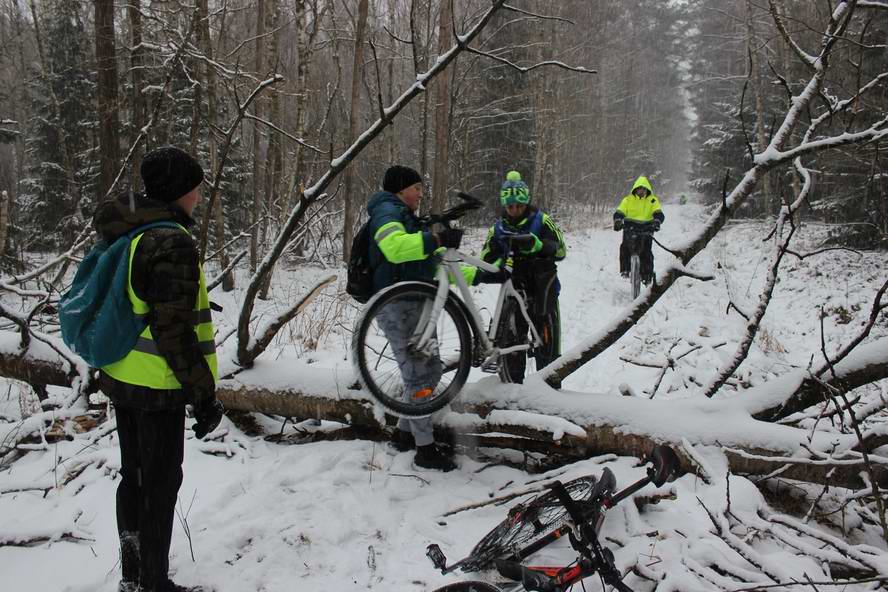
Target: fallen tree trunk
569, 425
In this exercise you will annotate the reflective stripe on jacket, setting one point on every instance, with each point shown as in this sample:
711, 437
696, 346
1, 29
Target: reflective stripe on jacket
144, 365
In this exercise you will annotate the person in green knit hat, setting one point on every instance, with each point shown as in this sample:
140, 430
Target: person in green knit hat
534, 268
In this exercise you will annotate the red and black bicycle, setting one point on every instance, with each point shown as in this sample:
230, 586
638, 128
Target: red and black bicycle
575, 509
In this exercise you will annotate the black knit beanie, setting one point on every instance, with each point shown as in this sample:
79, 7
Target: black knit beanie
169, 173
399, 177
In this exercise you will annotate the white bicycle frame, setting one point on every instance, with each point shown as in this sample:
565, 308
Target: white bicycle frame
450, 267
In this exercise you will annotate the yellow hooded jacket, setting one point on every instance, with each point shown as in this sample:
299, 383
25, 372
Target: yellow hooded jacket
640, 209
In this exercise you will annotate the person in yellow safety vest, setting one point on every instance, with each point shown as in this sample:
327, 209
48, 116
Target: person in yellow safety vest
172, 364
639, 209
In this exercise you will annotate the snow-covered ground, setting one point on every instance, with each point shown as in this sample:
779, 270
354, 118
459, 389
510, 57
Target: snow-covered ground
350, 515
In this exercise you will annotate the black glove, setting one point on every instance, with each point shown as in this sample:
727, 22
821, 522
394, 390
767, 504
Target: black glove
450, 237
618, 224
523, 242
208, 414
490, 277
656, 225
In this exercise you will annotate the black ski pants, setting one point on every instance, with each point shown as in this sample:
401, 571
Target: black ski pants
151, 452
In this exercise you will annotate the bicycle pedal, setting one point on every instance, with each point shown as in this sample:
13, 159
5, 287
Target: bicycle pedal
434, 552
490, 367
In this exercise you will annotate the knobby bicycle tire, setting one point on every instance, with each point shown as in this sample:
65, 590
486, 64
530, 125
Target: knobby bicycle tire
509, 369
386, 386
507, 334
526, 524
635, 274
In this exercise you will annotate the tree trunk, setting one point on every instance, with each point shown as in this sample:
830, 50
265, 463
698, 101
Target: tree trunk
137, 61
205, 42
420, 61
256, 213
106, 94
442, 112
4, 221
579, 441
353, 117
274, 163
770, 206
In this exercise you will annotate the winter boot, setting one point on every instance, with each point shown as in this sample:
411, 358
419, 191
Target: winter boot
624, 274
402, 441
129, 561
431, 457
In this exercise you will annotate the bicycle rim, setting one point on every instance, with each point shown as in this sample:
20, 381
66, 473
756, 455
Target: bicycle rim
527, 523
636, 276
376, 358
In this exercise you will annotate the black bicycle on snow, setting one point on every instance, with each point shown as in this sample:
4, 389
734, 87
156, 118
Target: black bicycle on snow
575, 509
638, 235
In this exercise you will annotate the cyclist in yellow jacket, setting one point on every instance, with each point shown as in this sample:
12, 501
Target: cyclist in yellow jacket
640, 207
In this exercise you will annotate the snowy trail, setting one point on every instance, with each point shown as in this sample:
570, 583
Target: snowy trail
355, 515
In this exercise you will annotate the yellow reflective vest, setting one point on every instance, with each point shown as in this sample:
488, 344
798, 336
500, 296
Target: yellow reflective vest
144, 365
640, 209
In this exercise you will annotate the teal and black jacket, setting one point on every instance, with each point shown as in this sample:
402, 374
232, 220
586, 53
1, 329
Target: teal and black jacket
400, 248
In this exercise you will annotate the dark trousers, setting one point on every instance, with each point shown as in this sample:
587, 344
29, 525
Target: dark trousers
151, 452
646, 256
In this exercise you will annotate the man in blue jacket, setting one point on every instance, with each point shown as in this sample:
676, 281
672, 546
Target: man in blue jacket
402, 250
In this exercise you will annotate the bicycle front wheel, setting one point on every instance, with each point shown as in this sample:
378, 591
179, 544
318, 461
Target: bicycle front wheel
511, 366
407, 380
526, 524
635, 274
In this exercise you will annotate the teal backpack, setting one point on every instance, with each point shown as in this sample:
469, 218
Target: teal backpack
96, 315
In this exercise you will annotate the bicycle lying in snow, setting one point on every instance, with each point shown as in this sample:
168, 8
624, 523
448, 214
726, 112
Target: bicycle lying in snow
444, 325
576, 509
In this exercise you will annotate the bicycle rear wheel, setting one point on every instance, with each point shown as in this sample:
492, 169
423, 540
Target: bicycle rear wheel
635, 274
526, 524
405, 381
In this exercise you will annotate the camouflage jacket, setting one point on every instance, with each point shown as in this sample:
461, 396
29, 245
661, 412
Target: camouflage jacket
165, 274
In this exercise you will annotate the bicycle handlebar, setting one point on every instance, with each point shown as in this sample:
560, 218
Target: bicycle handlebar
469, 203
639, 227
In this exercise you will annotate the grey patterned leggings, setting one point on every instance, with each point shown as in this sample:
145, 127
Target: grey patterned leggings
398, 321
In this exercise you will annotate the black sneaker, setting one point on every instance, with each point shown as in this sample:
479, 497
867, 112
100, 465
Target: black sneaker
431, 457
402, 441
624, 275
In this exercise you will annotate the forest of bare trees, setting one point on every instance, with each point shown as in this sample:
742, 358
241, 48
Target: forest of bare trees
583, 96
772, 109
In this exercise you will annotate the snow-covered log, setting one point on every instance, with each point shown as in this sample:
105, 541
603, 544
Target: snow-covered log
533, 418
